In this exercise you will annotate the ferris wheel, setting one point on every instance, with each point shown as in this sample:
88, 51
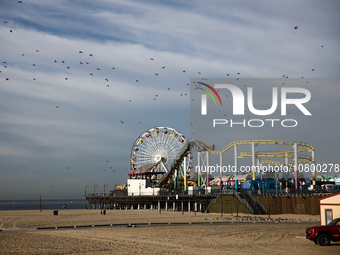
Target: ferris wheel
156, 149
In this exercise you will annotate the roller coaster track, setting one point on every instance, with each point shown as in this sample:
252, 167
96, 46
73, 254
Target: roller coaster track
302, 147
302, 159
177, 162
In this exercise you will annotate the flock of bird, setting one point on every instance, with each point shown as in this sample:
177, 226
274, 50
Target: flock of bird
92, 73
91, 55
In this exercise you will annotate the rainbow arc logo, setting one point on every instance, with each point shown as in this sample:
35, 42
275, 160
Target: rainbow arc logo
204, 97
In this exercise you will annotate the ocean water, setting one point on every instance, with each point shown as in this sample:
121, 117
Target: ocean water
50, 204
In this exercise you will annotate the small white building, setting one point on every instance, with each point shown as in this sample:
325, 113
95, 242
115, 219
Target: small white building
142, 187
329, 208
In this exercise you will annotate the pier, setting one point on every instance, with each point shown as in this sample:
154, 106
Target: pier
192, 203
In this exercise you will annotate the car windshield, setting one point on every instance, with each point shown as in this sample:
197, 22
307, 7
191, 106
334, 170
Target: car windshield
332, 222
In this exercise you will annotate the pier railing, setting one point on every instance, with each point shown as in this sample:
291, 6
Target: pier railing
217, 190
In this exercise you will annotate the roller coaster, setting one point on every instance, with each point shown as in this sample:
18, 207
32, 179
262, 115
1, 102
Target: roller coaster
159, 152
287, 154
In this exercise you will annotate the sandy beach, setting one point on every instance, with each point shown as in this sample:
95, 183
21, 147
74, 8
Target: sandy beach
227, 234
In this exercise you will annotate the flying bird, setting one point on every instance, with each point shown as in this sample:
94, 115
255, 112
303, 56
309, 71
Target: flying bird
296, 27
156, 74
80, 52
151, 59
121, 121
91, 54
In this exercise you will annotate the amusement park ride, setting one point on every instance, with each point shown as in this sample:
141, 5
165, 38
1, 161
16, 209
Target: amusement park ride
161, 155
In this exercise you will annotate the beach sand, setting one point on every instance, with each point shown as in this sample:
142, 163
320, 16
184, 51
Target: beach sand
248, 234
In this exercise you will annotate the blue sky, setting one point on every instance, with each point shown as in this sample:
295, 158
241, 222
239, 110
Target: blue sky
55, 152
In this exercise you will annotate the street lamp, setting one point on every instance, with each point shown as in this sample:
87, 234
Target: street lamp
104, 187
86, 187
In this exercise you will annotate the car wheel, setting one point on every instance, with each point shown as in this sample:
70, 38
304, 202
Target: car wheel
324, 240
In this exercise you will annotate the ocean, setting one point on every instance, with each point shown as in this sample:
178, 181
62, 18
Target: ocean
48, 204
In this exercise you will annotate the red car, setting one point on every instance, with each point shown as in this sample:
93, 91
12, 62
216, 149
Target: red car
323, 235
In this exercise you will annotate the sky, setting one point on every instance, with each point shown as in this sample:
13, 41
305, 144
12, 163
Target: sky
81, 80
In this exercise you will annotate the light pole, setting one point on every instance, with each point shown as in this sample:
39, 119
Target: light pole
94, 189
86, 187
104, 187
